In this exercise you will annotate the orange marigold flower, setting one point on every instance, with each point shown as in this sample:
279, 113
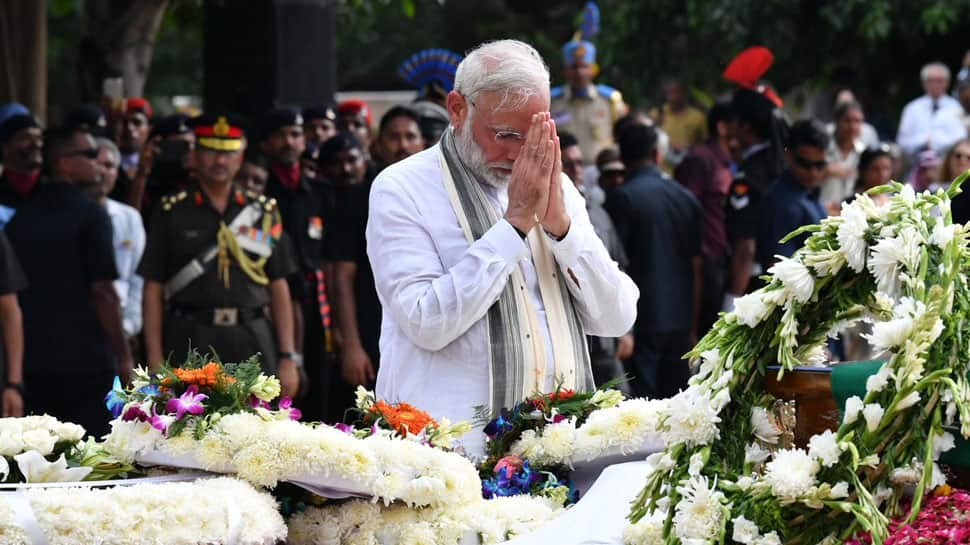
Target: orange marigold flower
403, 418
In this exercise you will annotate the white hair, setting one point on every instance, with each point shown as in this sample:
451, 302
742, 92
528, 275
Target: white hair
925, 72
510, 67
104, 143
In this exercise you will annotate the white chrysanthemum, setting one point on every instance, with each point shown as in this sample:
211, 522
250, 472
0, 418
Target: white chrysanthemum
699, 513
692, 420
647, 531
754, 453
873, 413
853, 407
745, 531
825, 448
791, 474
942, 234
763, 426
878, 381
795, 277
851, 235
623, 427
751, 309
892, 256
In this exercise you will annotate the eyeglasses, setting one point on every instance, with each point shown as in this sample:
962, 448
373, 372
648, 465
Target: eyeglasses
502, 136
90, 153
809, 165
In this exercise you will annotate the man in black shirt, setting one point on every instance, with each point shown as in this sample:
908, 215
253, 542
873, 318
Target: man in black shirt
302, 205
658, 222
12, 280
220, 302
357, 309
74, 343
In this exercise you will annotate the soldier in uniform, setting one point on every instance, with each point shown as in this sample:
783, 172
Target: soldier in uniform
581, 107
302, 204
755, 128
214, 274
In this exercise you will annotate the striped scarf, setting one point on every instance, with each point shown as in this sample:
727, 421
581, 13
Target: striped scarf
517, 351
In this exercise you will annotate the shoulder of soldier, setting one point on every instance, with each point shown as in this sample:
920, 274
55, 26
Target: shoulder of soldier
268, 204
557, 92
608, 92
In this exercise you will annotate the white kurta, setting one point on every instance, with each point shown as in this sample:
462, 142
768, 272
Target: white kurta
920, 125
436, 289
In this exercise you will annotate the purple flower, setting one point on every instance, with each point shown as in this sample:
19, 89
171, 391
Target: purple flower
498, 427
558, 418
349, 430
161, 422
286, 404
134, 413
189, 402
257, 403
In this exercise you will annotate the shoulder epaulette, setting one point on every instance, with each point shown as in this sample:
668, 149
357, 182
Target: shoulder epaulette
606, 91
170, 200
557, 92
268, 204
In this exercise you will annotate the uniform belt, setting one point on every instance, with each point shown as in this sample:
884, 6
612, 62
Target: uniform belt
219, 316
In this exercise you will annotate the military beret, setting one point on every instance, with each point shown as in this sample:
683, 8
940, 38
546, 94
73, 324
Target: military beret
276, 119
171, 125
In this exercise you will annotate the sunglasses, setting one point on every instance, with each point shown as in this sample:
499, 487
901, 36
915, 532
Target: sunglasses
90, 153
809, 165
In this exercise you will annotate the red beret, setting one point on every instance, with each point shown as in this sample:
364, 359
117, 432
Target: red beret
133, 105
356, 107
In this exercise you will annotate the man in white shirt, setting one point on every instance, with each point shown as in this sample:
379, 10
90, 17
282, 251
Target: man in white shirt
932, 121
128, 236
486, 264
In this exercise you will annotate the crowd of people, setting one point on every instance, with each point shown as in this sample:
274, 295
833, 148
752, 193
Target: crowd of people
130, 238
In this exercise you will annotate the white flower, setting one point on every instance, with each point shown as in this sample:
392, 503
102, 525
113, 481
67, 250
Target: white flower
825, 262
791, 474
265, 388
721, 399
851, 236
699, 513
4, 468
11, 442
877, 382
692, 420
696, 464
745, 482
891, 255
771, 538
745, 531
873, 413
751, 309
754, 453
66, 431
839, 491
825, 448
605, 399
647, 531
942, 234
763, 426
795, 277
908, 401
140, 378
39, 440
36, 469
938, 478
942, 443
853, 406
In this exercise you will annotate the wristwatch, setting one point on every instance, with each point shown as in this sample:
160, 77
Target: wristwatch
295, 357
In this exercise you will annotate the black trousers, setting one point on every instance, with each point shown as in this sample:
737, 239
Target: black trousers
230, 343
317, 362
714, 274
71, 398
657, 368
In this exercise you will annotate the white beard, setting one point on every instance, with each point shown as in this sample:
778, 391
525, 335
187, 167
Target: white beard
474, 158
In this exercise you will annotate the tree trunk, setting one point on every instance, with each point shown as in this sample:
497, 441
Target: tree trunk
118, 42
23, 54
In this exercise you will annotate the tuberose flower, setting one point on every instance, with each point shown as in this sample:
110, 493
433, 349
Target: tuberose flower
853, 407
851, 235
751, 309
763, 427
873, 413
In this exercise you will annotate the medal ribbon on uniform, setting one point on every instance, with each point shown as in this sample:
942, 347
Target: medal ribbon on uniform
229, 246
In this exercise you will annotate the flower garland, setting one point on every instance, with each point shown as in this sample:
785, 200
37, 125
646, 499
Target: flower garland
265, 450
724, 473
364, 523
149, 514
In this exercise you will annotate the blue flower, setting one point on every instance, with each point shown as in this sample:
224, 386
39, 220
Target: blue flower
151, 390
115, 400
498, 427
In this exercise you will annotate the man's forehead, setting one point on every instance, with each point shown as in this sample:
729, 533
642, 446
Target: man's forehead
487, 106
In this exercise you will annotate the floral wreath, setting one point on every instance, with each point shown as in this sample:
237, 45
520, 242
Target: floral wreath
724, 474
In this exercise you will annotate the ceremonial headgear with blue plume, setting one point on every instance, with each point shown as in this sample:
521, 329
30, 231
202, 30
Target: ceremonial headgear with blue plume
431, 71
581, 48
